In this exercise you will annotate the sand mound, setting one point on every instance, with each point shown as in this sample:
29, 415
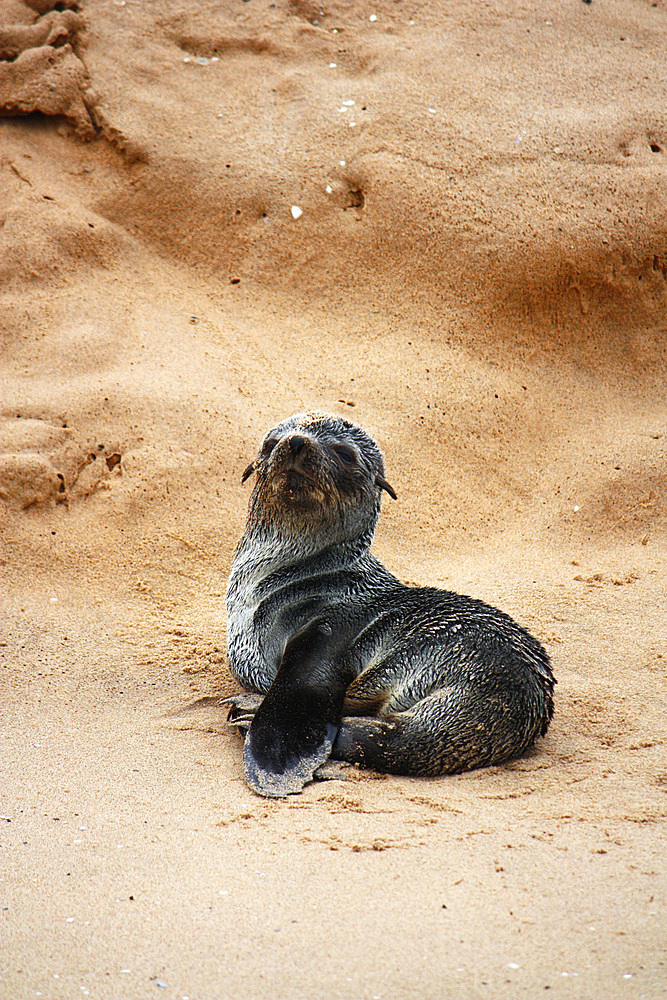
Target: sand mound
39, 69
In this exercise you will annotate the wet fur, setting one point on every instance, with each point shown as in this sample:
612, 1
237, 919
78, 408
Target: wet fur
406, 680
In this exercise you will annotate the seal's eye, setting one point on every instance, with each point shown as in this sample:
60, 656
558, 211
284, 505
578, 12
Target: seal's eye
268, 446
347, 456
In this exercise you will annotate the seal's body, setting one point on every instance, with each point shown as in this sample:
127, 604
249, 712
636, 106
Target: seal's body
356, 665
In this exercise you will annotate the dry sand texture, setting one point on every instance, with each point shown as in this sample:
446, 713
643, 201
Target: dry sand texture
478, 275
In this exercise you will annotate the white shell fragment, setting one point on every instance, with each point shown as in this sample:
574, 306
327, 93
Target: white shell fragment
296, 212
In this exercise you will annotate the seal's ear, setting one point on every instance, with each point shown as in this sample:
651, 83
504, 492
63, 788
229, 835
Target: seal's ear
248, 472
384, 485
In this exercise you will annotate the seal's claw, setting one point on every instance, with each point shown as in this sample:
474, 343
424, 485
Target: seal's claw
244, 699
240, 719
242, 708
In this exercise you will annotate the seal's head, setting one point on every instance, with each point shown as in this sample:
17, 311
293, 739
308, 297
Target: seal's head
318, 474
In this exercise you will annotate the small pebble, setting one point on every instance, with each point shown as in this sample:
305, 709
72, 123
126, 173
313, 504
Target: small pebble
328, 190
348, 104
332, 65
373, 17
163, 986
342, 163
575, 508
296, 214
512, 965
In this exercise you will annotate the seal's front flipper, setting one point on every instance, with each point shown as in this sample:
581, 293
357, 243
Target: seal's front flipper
282, 767
294, 728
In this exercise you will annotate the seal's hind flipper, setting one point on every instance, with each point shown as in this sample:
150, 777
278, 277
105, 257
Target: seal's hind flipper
333, 770
294, 728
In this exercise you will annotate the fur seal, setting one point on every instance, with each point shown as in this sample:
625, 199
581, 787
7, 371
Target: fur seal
355, 665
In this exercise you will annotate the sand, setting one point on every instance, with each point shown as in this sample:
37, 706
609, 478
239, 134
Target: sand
477, 275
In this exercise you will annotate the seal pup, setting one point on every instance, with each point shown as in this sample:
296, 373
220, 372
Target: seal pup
355, 665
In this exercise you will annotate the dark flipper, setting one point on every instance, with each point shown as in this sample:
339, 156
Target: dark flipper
294, 728
452, 730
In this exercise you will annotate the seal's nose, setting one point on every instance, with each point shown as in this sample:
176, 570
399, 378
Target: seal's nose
297, 443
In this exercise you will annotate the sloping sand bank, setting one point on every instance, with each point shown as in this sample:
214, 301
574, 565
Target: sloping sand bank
478, 275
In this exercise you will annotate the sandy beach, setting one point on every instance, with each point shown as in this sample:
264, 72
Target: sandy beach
447, 222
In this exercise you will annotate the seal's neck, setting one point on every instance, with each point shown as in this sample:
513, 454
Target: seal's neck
262, 550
